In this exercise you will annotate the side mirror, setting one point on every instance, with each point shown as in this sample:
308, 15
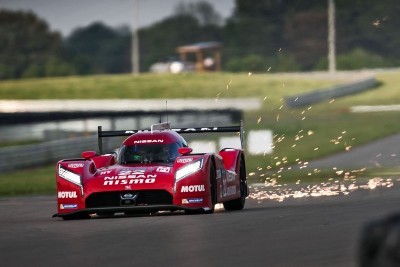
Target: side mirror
185, 150
88, 154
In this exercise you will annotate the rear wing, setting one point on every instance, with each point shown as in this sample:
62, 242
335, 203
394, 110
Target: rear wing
224, 129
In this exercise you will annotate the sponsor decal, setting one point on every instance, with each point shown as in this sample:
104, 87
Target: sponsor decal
67, 194
68, 206
128, 195
128, 199
128, 187
208, 129
219, 174
192, 200
164, 169
189, 130
184, 160
230, 176
149, 141
230, 190
114, 180
131, 172
75, 165
137, 131
193, 188
129, 177
195, 129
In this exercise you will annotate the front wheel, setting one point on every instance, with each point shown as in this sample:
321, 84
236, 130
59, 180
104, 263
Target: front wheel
238, 204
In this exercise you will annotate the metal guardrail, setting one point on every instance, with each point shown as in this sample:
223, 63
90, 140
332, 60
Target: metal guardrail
330, 93
18, 157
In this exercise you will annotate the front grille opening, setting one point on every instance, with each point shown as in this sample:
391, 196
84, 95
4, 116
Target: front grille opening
113, 199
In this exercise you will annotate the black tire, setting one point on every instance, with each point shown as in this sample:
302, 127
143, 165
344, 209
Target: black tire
213, 192
213, 188
238, 204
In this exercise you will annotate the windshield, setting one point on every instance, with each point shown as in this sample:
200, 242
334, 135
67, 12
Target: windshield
148, 153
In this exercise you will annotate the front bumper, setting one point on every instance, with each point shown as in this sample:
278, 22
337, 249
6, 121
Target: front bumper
130, 209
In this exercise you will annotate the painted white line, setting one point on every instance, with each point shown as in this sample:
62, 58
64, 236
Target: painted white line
377, 108
53, 105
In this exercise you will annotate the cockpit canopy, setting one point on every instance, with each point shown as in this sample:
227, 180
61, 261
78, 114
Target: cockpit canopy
154, 147
149, 153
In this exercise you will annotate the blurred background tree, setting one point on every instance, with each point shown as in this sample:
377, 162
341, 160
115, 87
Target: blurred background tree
28, 48
260, 36
191, 23
98, 48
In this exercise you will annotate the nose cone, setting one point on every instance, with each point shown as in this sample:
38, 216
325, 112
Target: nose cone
133, 178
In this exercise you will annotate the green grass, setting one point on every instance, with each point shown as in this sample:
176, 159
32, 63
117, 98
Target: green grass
19, 143
324, 128
208, 85
300, 134
35, 181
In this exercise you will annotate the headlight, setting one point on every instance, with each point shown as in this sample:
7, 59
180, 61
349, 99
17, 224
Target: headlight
70, 176
188, 169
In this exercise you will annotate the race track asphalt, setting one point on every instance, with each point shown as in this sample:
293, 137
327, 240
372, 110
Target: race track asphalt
383, 152
312, 231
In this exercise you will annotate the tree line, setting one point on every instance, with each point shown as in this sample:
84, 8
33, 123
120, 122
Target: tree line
260, 36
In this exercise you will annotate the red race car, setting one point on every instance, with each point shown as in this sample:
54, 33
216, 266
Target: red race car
154, 170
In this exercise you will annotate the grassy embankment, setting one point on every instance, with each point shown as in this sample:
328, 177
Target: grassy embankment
300, 134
